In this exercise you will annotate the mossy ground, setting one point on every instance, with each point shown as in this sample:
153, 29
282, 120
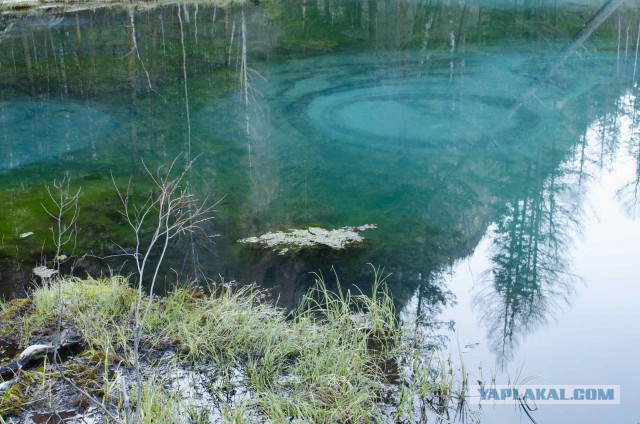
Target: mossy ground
250, 361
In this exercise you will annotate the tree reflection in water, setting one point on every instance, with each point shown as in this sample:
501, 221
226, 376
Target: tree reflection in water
628, 195
529, 279
424, 309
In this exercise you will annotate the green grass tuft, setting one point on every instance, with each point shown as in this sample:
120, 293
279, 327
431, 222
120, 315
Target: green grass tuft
324, 362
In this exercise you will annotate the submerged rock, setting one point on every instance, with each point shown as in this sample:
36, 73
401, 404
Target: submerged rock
284, 241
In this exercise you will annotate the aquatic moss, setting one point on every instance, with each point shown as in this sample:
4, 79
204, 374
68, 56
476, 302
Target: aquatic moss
100, 223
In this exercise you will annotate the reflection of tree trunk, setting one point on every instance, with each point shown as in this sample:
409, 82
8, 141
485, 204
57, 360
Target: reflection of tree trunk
35, 51
535, 243
635, 61
79, 58
27, 61
327, 11
227, 53
63, 67
626, 46
479, 31
164, 42
154, 47
228, 36
373, 16
78, 34
186, 87
603, 139
588, 29
244, 82
618, 46
192, 245
46, 66
592, 24
419, 307
195, 22
185, 9
131, 68
55, 57
583, 148
304, 13
636, 185
354, 13
262, 163
304, 22
462, 34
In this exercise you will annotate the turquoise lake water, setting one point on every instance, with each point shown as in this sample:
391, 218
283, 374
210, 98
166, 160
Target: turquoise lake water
494, 144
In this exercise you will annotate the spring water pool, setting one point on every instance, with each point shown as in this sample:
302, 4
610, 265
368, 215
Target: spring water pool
494, 144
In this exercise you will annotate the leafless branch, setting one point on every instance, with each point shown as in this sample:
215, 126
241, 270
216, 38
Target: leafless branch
169, 211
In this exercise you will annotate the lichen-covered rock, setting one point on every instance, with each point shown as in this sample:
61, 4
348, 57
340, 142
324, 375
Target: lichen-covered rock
284, 241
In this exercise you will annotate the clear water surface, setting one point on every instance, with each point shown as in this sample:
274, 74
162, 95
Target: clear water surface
495, 144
